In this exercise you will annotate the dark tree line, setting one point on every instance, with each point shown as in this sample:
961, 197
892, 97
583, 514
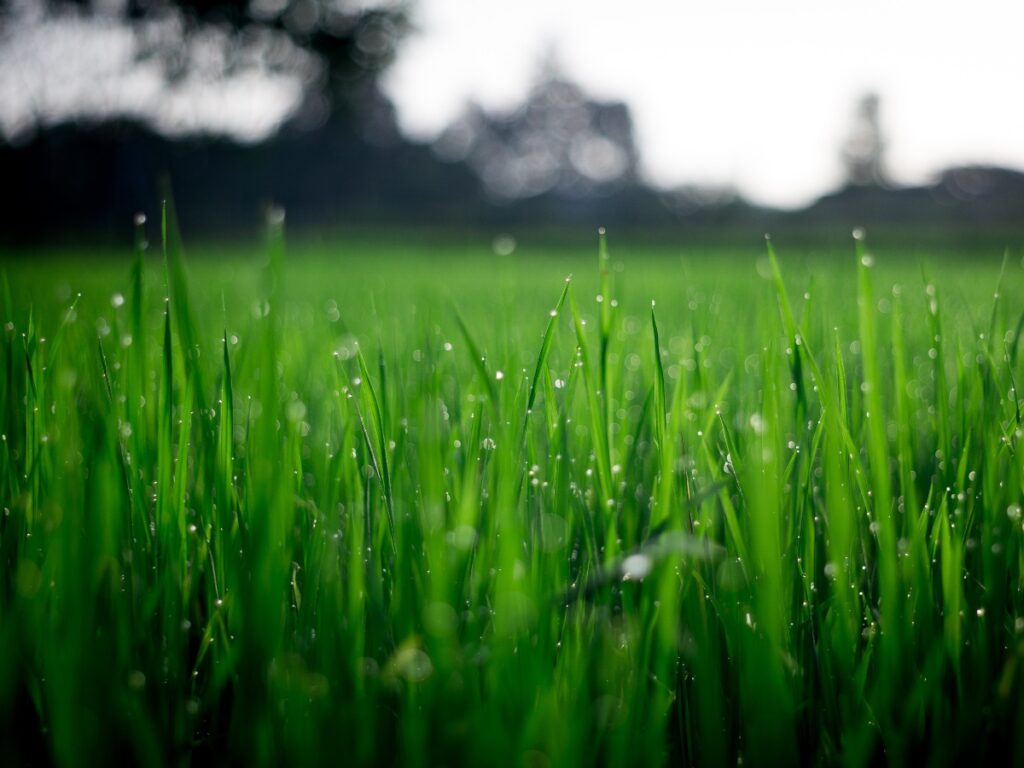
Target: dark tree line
562, 158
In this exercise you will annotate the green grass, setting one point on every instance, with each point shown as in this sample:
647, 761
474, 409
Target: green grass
416, 504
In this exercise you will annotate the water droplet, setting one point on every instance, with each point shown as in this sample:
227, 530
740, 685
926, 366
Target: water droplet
504, 245
635, 567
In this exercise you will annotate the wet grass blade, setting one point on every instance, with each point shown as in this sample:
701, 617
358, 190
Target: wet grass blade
545, 347
376, 441
479, 362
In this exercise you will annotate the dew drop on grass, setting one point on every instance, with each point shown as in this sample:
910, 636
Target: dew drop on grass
275, 215
636, 567
117, 300
757, 423
503, 245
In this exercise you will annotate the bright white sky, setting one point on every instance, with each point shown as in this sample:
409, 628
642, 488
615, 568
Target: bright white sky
757, 94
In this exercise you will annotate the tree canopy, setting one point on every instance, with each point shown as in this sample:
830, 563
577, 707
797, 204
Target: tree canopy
182, 65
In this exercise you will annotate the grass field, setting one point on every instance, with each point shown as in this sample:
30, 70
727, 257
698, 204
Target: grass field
372, 503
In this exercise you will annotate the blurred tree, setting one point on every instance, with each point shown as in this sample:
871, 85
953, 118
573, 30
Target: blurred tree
863, 152
558, 140
311, 58
353, 40
99, 99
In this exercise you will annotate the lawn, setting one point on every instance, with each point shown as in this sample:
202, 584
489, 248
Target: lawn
406, 501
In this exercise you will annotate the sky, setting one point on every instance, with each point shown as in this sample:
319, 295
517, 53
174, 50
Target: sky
759, 95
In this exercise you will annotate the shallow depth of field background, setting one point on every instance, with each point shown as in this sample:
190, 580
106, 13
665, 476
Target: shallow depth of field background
414, 383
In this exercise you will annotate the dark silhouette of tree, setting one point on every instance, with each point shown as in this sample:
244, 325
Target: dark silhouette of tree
334, 48
352, 40
863, 152
559, 140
